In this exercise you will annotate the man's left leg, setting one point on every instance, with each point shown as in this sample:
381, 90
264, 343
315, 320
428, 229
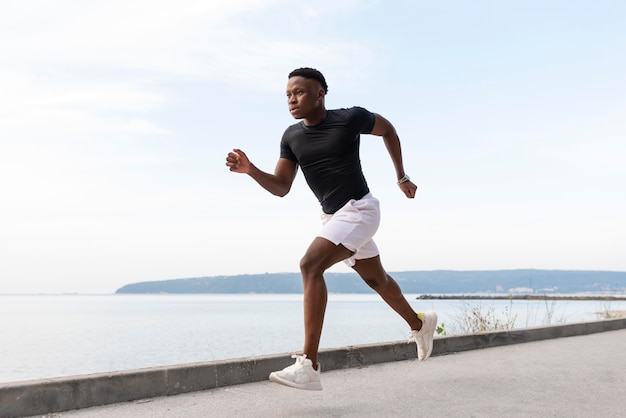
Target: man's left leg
305, 372
320, 255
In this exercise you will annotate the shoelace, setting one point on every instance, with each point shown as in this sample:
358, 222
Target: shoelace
299, 361
413, 336
299, 358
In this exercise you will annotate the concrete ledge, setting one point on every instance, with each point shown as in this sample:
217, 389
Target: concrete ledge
61, 394
523, 335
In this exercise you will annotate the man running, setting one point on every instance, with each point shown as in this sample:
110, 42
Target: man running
325, 145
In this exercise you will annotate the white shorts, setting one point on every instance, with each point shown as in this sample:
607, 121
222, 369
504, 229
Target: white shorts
353, 226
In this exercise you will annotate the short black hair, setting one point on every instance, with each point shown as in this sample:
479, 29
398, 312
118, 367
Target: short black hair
310, 73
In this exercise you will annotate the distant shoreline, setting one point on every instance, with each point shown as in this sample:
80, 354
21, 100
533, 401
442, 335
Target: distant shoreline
438, 282
520, 297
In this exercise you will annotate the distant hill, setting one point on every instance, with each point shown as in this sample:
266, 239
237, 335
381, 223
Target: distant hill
414, 282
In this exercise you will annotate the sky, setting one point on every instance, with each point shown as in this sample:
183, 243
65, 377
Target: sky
116, 118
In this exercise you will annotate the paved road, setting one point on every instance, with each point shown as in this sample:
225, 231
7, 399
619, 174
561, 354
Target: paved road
583, 376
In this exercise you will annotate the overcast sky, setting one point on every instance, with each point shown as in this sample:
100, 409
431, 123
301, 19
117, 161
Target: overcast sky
116, 117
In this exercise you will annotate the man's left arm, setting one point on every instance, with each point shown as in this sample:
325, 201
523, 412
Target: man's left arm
384, 128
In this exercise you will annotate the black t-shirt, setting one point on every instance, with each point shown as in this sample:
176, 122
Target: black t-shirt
328, 154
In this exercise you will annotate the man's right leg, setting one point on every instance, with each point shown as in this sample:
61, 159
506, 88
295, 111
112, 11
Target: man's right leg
422, 324
373, 273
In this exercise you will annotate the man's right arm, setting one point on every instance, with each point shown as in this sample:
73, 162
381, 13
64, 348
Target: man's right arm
278, 183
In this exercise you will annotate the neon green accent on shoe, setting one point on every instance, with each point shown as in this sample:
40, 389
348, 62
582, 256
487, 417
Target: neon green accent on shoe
424, 337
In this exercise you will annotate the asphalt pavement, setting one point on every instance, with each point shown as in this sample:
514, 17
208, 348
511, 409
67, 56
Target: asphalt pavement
579, 376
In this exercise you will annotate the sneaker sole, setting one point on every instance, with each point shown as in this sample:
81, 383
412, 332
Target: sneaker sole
302, 386
432, 324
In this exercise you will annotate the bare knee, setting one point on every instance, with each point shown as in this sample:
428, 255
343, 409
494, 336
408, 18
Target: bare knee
320, 255
310, 267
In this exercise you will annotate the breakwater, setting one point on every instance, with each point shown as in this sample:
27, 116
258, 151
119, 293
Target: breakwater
523, 297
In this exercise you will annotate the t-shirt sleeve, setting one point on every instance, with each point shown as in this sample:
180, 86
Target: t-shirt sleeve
285, 149
363, 118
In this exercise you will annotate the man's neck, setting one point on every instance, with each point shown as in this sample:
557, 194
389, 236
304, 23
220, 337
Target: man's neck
316, 119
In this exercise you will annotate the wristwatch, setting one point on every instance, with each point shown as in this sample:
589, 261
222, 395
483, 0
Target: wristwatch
403, 179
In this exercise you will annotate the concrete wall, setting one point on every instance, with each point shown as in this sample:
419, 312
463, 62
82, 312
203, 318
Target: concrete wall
61, 394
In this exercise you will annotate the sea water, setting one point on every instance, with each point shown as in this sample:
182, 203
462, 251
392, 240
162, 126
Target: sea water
46, 336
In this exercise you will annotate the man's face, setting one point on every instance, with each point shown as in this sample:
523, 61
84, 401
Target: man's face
304, 96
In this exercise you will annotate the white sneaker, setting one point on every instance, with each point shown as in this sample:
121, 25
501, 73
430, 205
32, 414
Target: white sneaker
424, 337
300, 375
